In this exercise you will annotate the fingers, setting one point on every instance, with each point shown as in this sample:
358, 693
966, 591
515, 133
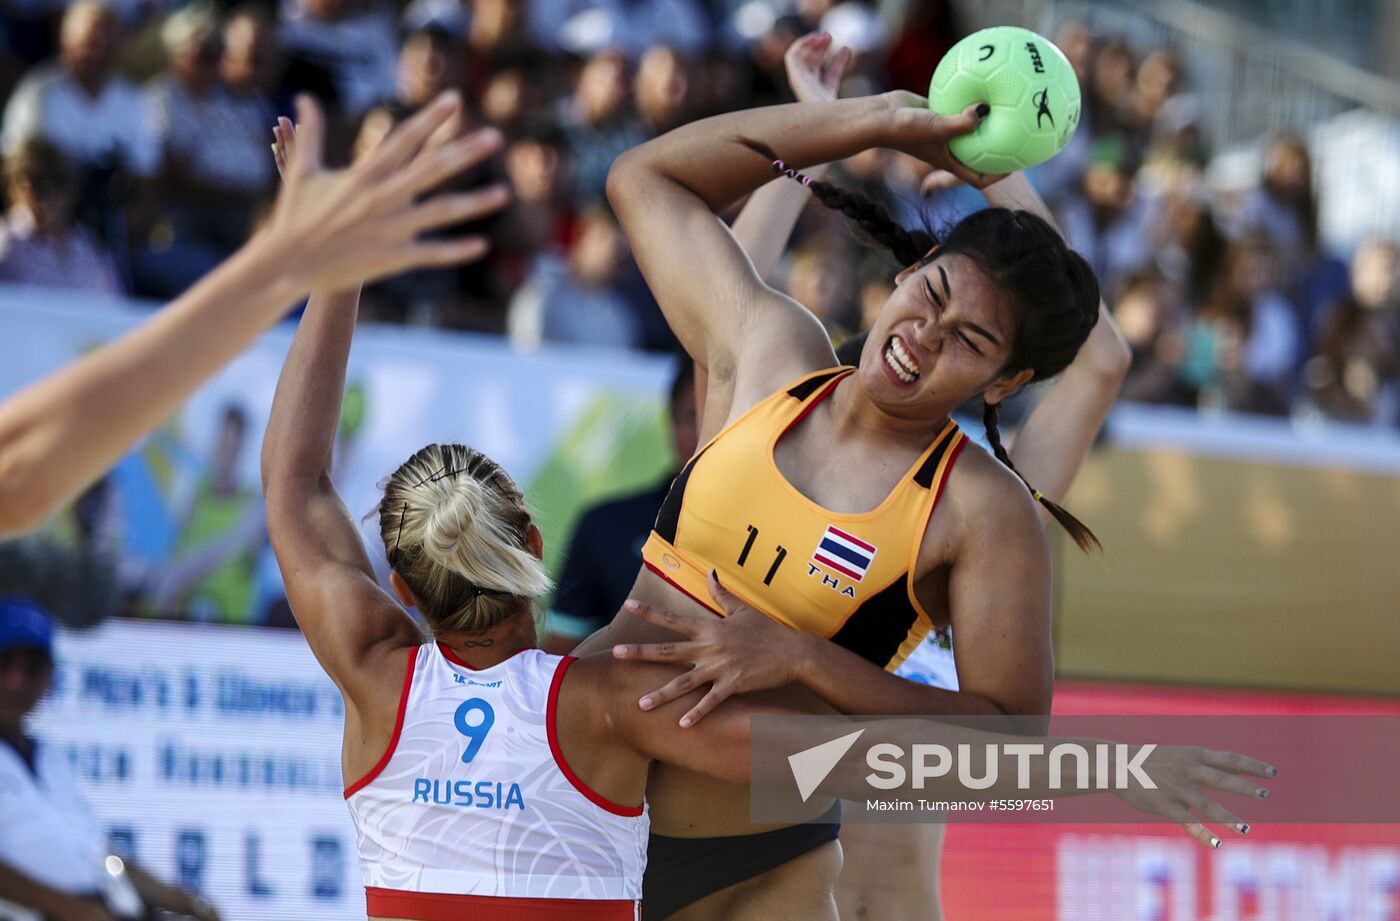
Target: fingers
432, 254
963, 172
655, 652
717, 695
447, 131
1228, 783
455, 157
939, 180
1212, 811
460, 208
310, 133
965, 122
1238, 764
727, 602
676, 623
1201, 833
837, 68
405, 141
283, 143
675, 689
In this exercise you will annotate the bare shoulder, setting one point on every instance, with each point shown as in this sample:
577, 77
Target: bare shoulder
610, 687
984, 502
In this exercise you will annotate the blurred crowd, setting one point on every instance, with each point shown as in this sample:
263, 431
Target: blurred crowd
135, 139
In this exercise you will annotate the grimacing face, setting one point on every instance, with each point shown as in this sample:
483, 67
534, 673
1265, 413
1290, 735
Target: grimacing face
943, 337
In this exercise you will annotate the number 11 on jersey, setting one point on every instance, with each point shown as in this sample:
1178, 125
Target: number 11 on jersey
777, 560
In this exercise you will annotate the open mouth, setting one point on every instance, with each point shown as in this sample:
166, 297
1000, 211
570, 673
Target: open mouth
900, 362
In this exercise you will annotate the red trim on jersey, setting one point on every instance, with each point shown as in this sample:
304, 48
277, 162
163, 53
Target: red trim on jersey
374, 772
850, 537
551, 711
442, 906
821, 395
681, 588
452, 657
948, 467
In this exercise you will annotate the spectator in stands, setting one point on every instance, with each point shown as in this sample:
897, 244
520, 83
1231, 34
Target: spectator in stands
1354, 374
930, 29
821, 277
427, 65
95, 116
598, 123
662, 89
1149, 316
606, 546
580, 26
40, 243
1111, 90
217, 171
1108, 222
252, 64
498, 41
580, 299
1188, 243
1156, 81
539, 219
352, 41
54, 854
1254, 331
1282, 209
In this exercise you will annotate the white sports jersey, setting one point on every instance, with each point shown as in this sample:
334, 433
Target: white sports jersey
473, 801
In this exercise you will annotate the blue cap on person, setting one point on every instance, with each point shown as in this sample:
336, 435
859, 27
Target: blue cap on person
23, 624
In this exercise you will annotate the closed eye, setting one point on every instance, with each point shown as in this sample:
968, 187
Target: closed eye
938, 301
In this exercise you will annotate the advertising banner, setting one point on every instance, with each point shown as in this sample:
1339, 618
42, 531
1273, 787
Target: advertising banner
180, 520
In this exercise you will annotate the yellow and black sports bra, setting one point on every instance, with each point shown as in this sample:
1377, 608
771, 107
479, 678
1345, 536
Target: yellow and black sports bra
849, 578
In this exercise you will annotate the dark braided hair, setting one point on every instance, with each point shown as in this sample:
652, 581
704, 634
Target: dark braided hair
1052, 290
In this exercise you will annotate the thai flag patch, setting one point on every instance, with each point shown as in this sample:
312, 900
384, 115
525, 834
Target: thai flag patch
844, 553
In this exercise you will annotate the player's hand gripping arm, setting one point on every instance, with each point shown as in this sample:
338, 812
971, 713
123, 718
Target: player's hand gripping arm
721, 747
328, 229
346, 617
1006, 634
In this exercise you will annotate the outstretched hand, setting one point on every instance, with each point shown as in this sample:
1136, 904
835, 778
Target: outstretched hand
368, 221
814, 70
744, 651
1183, 774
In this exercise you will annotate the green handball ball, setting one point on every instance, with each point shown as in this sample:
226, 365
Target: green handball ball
1030, 86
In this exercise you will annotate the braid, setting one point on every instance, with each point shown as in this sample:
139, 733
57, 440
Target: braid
1077, 529
907, 246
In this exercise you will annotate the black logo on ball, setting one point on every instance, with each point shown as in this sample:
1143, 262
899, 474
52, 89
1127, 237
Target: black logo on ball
1042, 109
1035, 57
987, 51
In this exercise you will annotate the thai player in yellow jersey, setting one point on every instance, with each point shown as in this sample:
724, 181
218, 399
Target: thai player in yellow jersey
893, 871
803, 500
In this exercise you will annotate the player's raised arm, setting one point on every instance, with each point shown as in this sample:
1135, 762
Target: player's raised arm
328, 229
667, 192
331, 585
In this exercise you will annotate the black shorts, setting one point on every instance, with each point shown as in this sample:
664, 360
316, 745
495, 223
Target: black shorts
682, 871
